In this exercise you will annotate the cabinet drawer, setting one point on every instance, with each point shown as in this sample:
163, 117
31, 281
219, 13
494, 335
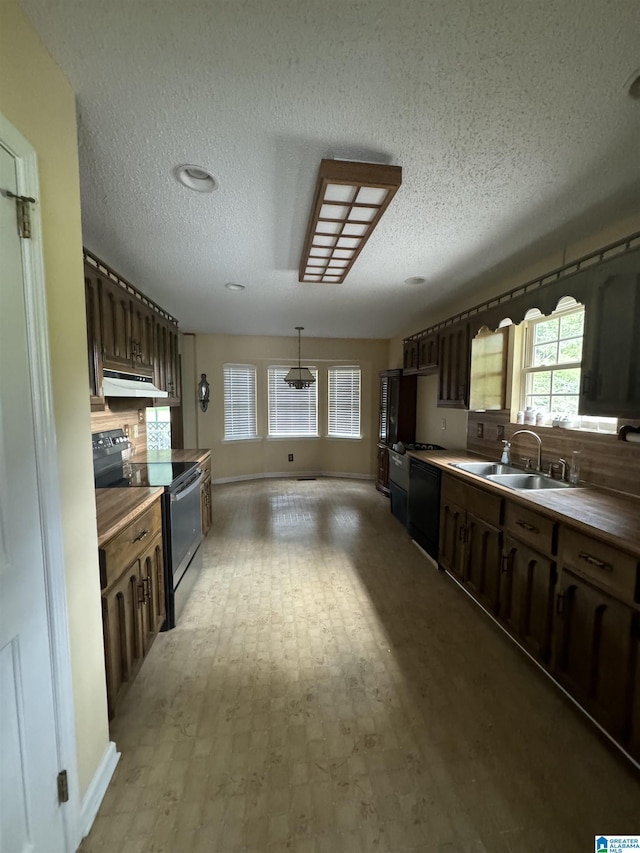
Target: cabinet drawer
484, 505
124, 548
530, 527
608, 568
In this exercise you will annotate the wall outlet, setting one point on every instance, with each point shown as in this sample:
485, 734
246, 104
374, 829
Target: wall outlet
140, 416
479, 430
136, 430
291, 457
443, 423
125, 430
500, 432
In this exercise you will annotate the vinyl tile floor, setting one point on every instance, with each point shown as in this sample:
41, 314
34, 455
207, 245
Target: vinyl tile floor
327, 690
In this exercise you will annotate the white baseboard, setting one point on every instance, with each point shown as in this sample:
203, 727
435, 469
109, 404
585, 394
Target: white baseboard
98, 788
287, 475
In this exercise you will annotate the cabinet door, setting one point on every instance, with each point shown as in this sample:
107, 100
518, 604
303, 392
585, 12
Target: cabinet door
527, 587
205, 505
451, 549
633, 741
94, 337
611, 360
483, 561
454, 365
115, 315
152, 609
428, 353
594, 651
166, 361
393, 409
142, 321
173, 366
123, 642
382, 477
410, 356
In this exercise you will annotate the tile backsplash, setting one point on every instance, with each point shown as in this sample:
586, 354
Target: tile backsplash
604, 460
118, 414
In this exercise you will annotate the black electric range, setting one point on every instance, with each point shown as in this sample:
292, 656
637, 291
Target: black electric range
181, 514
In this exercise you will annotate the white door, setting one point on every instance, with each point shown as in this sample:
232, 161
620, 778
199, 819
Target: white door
30, 816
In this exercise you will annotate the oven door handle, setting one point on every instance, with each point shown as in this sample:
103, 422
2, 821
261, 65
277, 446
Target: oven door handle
185, 491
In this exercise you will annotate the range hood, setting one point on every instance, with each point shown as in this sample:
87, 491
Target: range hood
117, 384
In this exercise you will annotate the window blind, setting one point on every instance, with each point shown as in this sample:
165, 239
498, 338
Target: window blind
292, 411
239, 401
344, 402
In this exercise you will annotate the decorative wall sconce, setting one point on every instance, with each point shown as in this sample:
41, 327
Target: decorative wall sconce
349, 202
203, 392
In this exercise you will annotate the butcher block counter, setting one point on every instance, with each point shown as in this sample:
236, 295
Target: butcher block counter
116, 508
612, 516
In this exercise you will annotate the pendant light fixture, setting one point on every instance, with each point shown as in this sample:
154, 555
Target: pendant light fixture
299, 377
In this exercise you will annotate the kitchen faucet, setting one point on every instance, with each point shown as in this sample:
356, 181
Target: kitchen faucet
537, 438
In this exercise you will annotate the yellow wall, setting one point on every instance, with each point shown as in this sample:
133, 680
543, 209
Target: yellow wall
208, 353
429, 416
37, 99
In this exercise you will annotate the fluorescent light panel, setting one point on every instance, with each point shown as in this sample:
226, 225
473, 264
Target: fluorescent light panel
349, 202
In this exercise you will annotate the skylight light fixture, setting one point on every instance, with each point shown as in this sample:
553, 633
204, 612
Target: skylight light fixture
349, 202
299, 377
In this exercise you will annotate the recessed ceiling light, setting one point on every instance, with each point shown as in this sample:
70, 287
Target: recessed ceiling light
232, 285
196, 178
415, 279
632, 86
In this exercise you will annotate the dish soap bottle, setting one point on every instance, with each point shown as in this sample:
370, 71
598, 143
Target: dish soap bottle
505, 459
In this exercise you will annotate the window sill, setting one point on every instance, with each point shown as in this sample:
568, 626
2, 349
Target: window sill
293, 437
344, 437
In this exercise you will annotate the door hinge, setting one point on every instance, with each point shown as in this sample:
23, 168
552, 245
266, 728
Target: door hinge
22, 212
63, 787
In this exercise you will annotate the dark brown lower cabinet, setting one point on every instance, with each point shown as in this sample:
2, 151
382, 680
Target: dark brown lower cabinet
382, 470
526, 596
471, 546
483, 561
133, 611
595, 647
634, 727
571, 599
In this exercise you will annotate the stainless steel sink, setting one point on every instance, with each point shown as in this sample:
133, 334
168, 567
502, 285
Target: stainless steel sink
534, 482
483, 469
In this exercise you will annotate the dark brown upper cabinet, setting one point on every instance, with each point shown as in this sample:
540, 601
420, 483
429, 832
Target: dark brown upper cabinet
611, 350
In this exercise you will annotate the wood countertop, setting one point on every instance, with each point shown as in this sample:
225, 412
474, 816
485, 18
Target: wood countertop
611, 516
170, 455
118, 507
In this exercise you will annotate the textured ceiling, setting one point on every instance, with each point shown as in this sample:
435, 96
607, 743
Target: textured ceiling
509, 117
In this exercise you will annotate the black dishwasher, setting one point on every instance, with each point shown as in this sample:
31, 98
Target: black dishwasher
424, 506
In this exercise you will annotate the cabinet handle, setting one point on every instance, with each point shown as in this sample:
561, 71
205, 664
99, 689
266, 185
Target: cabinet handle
141, 592
560, 603
504, 564
140, 536
147, 587
526, 526
593, 561
461, 533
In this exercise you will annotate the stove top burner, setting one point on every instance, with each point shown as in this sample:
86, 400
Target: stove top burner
129, 474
